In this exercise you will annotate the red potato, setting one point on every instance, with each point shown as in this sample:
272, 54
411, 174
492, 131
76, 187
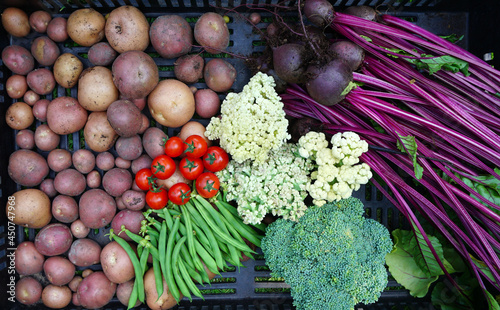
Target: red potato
57, 29
123, 163
28, 291
16, 86
127, 29
116, 181
65, 115
116, 263
119, 203
18, 59
45, 51
130, 219
96, 291
193, 128
30, 97
74, 283
79, 230
56, 297
171, 103
39, 21
219, 75
124, 117
211, 32
54, 239
86, 26
29, 208
153, 141
171, 36
59, 270
16, 22
74, 300
134, 200
189, 68
40, 109
144, 161
27, 259
47, 186
84, 252
70, 182
129, 148
46, 139
207, 103
65, 209
165, 301
94, 179
98, 133
59, 159
27, 168
41, 81
105, 161
255, 18
123, 292
101, 54
25, 139
83, 161
97, 208
145, 123
19, 116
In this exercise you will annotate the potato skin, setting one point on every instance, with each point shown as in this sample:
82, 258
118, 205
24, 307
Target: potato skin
101, 54
19, 115
67, 70
41, 81
116, 181
59, 270
59, 159
56, 297
16, 22
16, 86
53, 239
171, 103
166, 300
95, 291
28, 260
28, 290
98, 133
130, 219
128, 148
45, 51
153, 140
125, 118
211, 32
219, 75
65, 115
65, 208
189, 68
97, 208
39, 21
127, 29
70, 182
18, 59
57, 29
96, 90
84, 252
171, 36
27, 167
86, 26
83, 160
116, 263
46, 139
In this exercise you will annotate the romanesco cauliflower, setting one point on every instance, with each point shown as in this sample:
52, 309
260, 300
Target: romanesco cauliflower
252, 122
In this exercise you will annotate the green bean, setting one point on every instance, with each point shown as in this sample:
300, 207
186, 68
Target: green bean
189, 282
162, 247
157, 267
216, 252
206, 258
194, 274
174, 290
204, 227
189, 232
136, 238
244, 230
183, 288
153, 232
168, 218
133, 296
234, 212
200, 235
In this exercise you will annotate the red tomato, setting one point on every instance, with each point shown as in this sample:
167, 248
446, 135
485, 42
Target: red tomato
174, 147
215, 159
163, 167
191, 168
144, 179
179, 193
207, 185
196, 146
157, 198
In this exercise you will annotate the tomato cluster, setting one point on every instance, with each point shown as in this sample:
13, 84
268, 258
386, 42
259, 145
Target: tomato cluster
198, 164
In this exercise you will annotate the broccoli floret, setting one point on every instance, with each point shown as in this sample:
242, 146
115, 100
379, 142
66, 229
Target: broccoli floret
332, 258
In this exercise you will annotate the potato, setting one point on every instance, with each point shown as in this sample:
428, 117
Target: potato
39, 21
86, 26
53, 239
57, 29
59, 159
28, 291
135, 74
211, 32
96, 90
125, 118
59, 270
105, 161
27, 168
171, 103
65, 115
145, 123
165, 301
67, 70
96, 291
25, 139
41, 81
127, 29
116, 181
140, 103
46, 139
56, 297
119, 203
47, 186
40, 109
84, 252
189, 68
129, 148
133, 200
123, 163
153, 141
94, 179
130, 219
65, 209
70, 182
98, 133
193, 128
87, 272
144, 161
18, 59
79, 230
16, 22
171, 36
123, 292
116, 263
16, 86
207, 103
30, 97
74, 283
83, 160
45, 51
97, 208
27, 259
219, 75
101, 54
19, 115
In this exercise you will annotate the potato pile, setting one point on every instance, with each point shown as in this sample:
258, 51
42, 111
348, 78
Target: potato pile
102, 95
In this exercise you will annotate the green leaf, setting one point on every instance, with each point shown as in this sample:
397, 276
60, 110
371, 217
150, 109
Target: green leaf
408, 145
487, 186
453, 38
424, 257
349, 87
366, 38
446, 62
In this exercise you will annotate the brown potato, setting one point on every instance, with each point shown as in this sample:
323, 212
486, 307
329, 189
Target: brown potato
127, 29
70, 182
18, 59
56, 30
171, 36
86, 26
19, 115
56, 297
97, 208
65, 209
16, 22
16, 86
135, 74
59, 159
41, 81
28, 290
211, 32
67, 70
27, 168
171, 103
46, 139
53, 239
58, 270
28, 260
96, 90
74, 283
45, 51
98, 133
39, 21
65, 115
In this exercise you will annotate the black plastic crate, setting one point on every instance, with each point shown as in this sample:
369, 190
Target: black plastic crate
250, 287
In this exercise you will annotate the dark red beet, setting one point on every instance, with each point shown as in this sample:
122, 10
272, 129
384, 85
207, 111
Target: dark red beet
327, 83
362, 11
319, 12
288, 62
350, 52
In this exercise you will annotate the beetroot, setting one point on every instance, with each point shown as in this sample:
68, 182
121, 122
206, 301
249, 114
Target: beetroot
319, 12
350, 52
362, 11
289, 62
327, 83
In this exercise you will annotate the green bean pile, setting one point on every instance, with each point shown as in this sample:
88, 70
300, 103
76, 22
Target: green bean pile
181, 238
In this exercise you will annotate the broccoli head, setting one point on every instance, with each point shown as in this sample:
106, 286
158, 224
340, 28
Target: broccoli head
332, 258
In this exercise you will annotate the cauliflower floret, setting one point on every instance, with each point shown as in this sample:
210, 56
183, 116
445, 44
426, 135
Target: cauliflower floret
348, 147
311, 143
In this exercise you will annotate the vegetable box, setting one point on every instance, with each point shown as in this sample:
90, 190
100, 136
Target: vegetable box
251, 287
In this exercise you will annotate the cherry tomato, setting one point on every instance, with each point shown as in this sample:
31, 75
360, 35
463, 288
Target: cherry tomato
196, 146
157, 198
163, 167
207, 185
144, 179
179, 193
191, 168
215, 159
174, 147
